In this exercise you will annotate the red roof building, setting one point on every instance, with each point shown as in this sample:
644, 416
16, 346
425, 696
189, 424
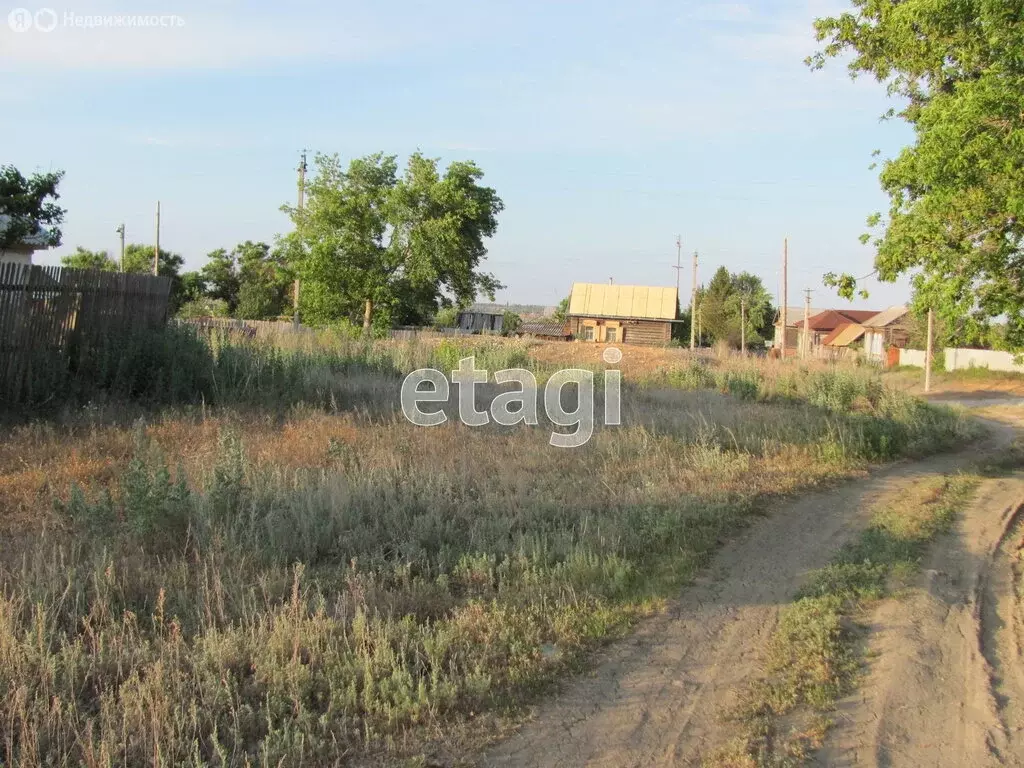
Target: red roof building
825, 324
831, 319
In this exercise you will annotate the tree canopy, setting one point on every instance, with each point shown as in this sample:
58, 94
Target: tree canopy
372, 245
721, 308
29, 208
83, 258
252, 280
956, 213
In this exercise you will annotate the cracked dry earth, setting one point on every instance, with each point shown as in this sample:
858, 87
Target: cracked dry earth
940, 691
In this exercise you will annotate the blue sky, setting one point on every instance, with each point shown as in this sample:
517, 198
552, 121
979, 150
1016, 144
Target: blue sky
607, 128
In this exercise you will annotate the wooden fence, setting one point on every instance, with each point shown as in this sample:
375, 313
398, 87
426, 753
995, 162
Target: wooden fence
267, 328
51, 317
246, 328
409, 332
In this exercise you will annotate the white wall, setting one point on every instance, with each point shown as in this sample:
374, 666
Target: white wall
913, 357
957, 359
16, 256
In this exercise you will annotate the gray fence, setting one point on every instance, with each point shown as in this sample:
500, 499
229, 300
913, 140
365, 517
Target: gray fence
51, 316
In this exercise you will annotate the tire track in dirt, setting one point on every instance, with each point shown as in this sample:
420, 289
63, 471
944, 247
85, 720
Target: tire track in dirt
945, 668
658, 698
945, 681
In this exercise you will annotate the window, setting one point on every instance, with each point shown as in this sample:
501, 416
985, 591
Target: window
588, 333
611, 334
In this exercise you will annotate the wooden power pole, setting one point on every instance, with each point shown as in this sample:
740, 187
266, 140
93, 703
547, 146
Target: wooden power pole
679, 261
806, 350
156, 248
693, 306
301, 206
928, 353
700, 325
785, 294
120, 231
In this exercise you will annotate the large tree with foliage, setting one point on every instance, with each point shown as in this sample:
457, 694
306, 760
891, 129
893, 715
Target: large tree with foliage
139, 258
83, 258
28, 208
264, 281
373, 245
220, 277
251, 280
956, 214
722, 308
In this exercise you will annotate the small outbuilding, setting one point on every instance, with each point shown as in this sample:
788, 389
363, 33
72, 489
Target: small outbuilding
21, 251
889, 328
622, 314
549, 331
482, 318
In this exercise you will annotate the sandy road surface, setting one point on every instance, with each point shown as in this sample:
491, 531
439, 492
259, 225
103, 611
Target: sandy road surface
945, 684
657, 699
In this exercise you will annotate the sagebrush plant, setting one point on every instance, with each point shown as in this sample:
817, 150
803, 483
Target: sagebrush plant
324, 582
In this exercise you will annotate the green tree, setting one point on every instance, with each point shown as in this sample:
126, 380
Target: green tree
956, 210
446, 317
721, 308
368, 241
264, 282
716, 303
191, 287
562, 311
220, 277
681, 330
760, 312
28, 207
510, 323
83, 258
139, 258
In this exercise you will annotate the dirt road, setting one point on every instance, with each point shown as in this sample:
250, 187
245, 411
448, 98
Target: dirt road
944, 683
658, 698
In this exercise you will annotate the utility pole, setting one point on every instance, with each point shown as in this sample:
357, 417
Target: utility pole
806, 351
693, 306
928, 353
156, 248
785, 293
120, 231
301, 206
679, 260
743, 326
700, 325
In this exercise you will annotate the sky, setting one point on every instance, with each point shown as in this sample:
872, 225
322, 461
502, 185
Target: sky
607, 128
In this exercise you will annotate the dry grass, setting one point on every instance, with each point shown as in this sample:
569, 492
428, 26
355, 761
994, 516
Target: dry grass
242, 586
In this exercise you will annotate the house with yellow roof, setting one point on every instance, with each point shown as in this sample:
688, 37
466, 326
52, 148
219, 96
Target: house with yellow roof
622, 314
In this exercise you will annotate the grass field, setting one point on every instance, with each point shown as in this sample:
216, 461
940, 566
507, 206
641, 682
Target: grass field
273, 565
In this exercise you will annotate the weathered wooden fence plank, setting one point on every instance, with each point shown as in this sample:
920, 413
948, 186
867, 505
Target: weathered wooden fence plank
53, 319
